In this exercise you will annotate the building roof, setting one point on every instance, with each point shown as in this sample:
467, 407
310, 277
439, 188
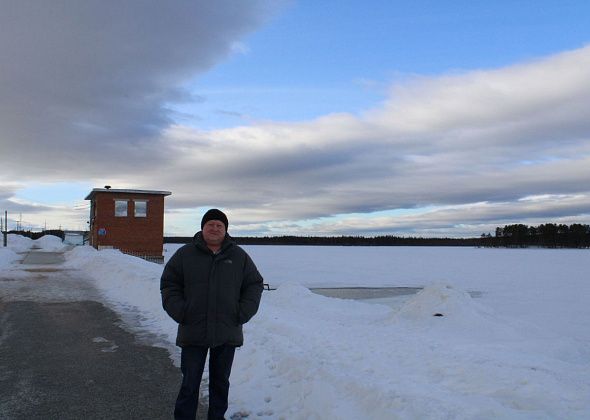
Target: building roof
95, 191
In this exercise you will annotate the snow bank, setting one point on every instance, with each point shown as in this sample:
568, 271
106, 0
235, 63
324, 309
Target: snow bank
49, 243
18, 243
440, 300
8, 257
308, 356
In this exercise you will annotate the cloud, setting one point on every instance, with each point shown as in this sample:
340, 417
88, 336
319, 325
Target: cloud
487, 136
10, 204
454, 220
88, 83
240, 48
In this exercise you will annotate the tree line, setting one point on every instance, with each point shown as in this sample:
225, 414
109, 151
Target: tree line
548, 235
387, 240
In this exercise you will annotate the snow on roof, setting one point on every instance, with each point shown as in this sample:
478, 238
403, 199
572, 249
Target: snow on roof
94, 191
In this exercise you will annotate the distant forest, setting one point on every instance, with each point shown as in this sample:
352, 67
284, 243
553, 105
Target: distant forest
547, 235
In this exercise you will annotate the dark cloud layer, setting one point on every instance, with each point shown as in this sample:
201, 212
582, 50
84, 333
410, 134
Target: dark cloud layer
88, 81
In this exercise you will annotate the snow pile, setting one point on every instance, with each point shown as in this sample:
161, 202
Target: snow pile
49, 243
440, 300
8, 257
122, 277
18, 243
458, 308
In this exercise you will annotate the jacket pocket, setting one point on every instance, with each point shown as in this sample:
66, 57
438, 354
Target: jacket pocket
191, 316
230, 332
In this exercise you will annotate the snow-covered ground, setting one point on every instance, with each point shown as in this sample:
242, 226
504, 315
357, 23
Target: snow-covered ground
519, 351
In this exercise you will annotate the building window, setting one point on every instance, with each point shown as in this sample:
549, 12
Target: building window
120, 208
140, 208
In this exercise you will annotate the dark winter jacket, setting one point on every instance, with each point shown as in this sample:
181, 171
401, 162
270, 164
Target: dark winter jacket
210, 295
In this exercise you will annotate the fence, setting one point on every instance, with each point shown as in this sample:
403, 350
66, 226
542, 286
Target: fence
158, 259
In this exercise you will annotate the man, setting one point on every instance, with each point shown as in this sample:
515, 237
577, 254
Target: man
211, 287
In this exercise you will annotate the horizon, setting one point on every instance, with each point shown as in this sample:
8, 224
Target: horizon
483, 235
334, 119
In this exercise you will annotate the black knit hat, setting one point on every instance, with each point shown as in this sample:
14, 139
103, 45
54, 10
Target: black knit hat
214, 214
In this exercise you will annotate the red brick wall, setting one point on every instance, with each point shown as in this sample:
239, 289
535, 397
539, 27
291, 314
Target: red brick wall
143, 235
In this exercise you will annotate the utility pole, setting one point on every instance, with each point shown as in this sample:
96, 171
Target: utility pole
5, 227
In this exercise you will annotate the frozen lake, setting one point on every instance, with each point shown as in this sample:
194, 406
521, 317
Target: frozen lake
530, 283
337, 266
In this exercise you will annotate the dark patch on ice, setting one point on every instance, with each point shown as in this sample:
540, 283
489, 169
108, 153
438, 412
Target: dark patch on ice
362, 293
365, 292
43, 270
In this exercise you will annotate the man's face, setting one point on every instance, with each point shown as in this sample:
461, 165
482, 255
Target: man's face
213, 232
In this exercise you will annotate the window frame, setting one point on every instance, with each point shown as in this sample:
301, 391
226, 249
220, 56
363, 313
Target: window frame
121, 200
145, 202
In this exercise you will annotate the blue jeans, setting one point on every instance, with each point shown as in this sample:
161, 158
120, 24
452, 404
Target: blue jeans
192, 364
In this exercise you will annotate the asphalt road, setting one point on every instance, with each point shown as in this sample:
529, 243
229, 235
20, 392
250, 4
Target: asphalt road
72, 361
64, 355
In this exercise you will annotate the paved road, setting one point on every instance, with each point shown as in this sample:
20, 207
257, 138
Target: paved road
72, 361
43, 258
64, 355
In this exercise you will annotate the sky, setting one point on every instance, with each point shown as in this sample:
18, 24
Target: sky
420, 118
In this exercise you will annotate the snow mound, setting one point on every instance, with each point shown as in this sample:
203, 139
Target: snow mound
18, 243
48, 243
112, 266
289, 291
441, 300
80, 256
7, 257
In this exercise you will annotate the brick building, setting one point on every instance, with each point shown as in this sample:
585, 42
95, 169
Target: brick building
131, 221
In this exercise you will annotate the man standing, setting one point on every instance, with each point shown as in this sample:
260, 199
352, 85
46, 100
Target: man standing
211, 287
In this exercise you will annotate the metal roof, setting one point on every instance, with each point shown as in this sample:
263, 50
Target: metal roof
94, 191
